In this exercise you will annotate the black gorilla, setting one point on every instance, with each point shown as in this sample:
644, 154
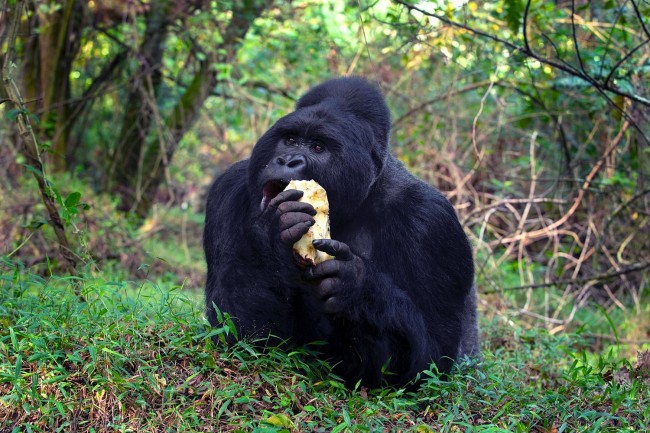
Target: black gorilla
399, 293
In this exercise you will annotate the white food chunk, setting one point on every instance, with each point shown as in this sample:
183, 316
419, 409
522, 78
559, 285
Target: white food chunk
315, 195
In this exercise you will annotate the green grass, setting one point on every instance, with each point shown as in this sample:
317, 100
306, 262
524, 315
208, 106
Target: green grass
137, 357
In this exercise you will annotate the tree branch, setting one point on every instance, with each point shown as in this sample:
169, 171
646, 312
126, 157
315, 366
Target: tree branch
449, 93
541, 233
574, 35
637, 12
527, 51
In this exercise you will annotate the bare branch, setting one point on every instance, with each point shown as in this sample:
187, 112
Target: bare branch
524, 27
640, 18
623, 60
449, 93
534, 235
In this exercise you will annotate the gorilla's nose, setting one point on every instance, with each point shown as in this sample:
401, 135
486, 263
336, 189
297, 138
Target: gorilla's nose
286, 167
293, 161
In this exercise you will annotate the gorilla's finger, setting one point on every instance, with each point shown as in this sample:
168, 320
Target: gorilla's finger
296, 206
327, 288
328, 268
284, 196
292, 218
334, 248
292, 234
333, 305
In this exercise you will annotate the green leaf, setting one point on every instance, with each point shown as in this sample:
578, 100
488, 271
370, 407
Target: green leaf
33, 170
72, 199
280, 420
610, 321
57, 197
35, 224
13, 114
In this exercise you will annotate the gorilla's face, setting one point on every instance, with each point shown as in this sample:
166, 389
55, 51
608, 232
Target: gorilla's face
318, 143
296, 157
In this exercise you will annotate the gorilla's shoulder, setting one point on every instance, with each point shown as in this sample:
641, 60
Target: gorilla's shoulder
230, 184
234, 175
409, 194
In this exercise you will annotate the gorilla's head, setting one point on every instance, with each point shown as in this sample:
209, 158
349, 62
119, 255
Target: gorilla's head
338, 135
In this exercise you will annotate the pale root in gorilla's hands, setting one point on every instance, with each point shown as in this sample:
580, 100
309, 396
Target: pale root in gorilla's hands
315, 195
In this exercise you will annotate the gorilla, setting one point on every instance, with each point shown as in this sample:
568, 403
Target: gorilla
399, 292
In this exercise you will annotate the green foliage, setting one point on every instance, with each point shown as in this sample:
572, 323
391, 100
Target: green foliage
135, 353
514, 11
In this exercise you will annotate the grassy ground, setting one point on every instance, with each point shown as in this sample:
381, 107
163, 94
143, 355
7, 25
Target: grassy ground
136, 357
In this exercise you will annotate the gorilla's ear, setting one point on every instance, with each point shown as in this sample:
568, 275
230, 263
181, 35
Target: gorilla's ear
356, 96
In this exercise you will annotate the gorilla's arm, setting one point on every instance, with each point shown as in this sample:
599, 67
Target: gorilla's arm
251, 273
381, 331
221, 239
239, 279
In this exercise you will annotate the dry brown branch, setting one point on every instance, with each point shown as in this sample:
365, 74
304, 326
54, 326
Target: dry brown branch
527, 237
502, 202
479, 153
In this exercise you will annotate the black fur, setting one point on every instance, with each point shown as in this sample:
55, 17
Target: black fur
399, 293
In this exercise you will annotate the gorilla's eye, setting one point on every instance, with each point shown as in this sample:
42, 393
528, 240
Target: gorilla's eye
318, 148
291, 141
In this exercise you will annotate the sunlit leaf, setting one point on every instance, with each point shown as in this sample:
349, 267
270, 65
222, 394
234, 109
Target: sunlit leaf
280, 420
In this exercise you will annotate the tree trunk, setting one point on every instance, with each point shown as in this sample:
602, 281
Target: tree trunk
125, 174
148, 164
158, 156
48, 63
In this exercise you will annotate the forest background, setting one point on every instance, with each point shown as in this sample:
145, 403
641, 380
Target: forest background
532, 117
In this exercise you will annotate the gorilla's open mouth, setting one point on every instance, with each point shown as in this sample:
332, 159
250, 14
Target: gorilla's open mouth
270, 190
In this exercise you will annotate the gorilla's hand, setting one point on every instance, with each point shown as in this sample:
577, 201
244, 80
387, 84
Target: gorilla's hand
285, 220
340, 278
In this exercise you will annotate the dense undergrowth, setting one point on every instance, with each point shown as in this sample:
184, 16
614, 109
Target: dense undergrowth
136, 356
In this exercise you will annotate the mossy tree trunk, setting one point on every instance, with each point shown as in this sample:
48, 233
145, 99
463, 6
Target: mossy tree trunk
48, 61
142, 155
